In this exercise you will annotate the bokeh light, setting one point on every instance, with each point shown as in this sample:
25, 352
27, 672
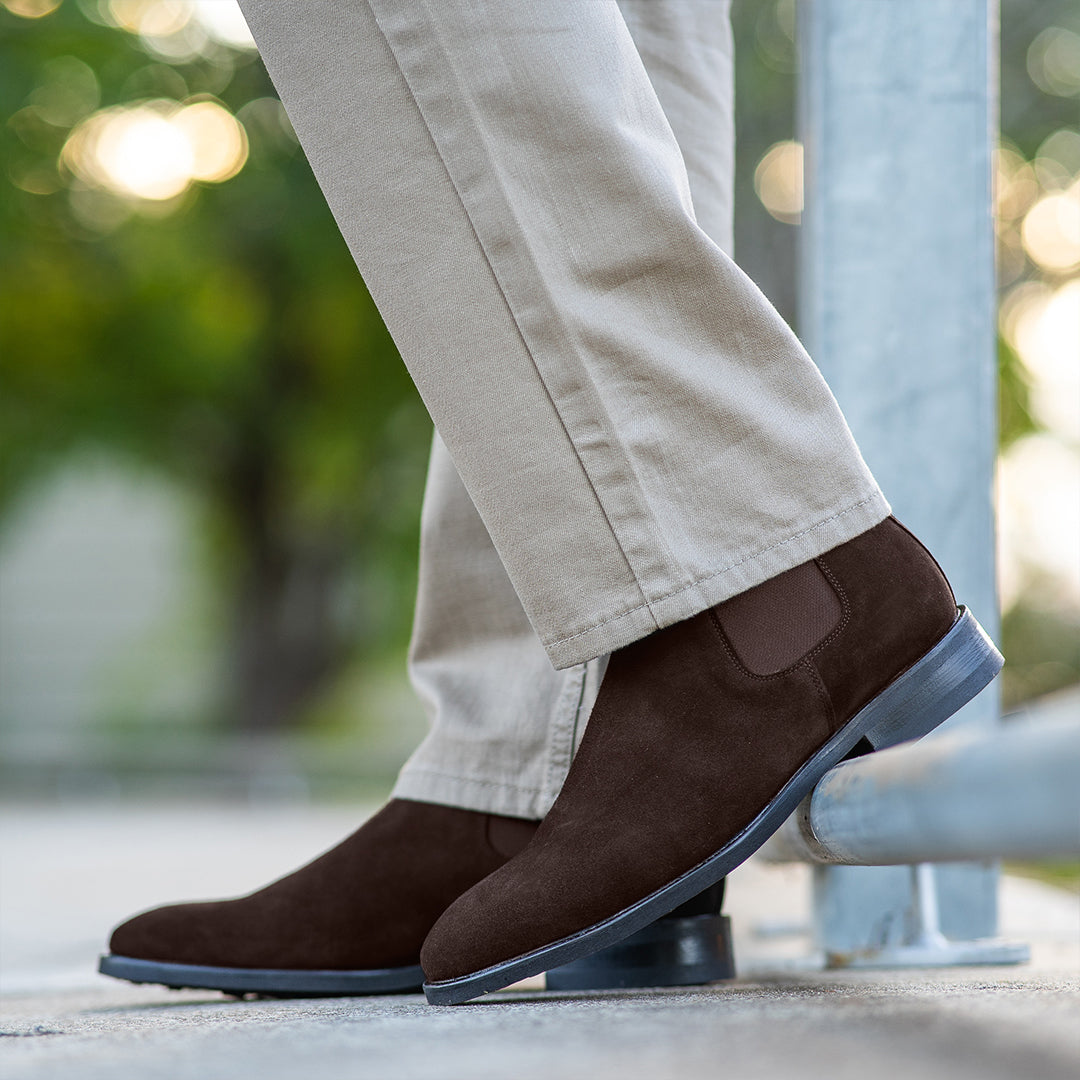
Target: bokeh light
139, 152
149, 18
224, 22
179, 30
778, 181
1053, 61
1057, 160
266, 117
1051, 231
1044, 328
1038, 478
1016, 184
68, 91
217, 140
156, 149
1018, 304
31, 9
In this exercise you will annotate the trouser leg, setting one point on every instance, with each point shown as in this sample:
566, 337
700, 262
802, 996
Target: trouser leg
504, 722
640, 432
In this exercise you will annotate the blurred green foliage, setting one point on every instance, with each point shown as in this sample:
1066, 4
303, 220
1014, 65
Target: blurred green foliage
225, 339
1040, 637
1014, 397
1064, 874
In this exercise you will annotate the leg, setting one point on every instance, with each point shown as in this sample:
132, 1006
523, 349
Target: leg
504, 721
353, 920
640, 432
502, 742
657, 439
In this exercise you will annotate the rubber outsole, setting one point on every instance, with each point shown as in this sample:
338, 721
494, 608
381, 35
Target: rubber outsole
687, 951
928, 693
268, 982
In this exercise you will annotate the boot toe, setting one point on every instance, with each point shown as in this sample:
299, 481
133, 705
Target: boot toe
452, 948
495, 921
146, 936
167, 934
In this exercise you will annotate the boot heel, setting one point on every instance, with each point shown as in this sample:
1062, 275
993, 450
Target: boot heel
931, 690
669, 952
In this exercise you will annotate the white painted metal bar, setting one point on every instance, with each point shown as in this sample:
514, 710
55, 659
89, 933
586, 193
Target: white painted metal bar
1010, 793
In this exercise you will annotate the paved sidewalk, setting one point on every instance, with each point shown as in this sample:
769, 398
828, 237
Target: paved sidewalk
68, 874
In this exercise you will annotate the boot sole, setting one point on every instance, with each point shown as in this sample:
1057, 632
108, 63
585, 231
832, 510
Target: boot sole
268, 982
671, 952
961, 664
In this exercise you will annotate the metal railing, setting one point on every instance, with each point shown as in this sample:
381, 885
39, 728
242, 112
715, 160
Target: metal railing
1011, 793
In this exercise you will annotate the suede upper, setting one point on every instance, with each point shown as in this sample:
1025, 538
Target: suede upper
365, 904
686, 745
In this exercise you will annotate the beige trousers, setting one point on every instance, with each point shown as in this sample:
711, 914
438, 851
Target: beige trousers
537, 196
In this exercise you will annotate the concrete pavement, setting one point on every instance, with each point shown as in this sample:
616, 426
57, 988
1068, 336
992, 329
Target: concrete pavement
68, 873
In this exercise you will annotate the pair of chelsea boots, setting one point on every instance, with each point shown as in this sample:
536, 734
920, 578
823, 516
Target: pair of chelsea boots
352, 921
705, 735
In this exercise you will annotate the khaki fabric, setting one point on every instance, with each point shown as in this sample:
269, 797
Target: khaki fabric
504, 722
640, 434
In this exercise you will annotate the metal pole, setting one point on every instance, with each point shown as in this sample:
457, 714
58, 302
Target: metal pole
897, 305
1009, 793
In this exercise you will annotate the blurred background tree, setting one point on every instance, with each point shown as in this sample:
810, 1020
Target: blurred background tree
175, 292
175, 298
1038, 227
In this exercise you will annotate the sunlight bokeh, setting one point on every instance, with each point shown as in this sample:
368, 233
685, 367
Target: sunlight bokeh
1051, 231
224, 22
1053, 61
216, 138
1038, 480
31, 9
778, 181
156, 149
176, 31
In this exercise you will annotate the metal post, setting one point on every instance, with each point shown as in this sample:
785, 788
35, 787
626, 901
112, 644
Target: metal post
924, 945
897, 305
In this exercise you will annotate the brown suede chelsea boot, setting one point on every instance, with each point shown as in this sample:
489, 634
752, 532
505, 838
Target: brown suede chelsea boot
352, 921
704, 737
